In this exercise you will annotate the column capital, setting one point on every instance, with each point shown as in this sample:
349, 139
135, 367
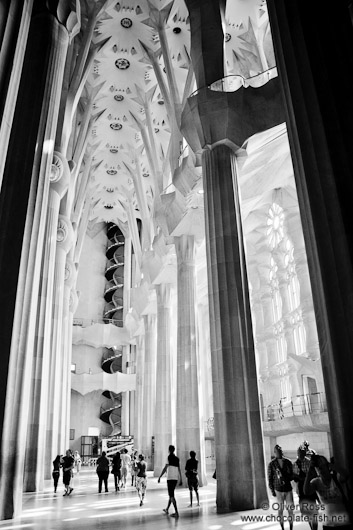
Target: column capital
185, 249
210, 117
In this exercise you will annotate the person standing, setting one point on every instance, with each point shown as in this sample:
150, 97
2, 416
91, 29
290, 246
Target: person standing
307, 503
68, 463
125, 466
191, 467
116, 465
56, 471
103, 472
280, 474
141, 478
172, 468
329, 487
78, 461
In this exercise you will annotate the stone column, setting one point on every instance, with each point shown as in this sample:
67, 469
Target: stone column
189, 419
24, 204
320, 131
59, 375
238, 435
163, 432
140, 376
149, 387
14, 25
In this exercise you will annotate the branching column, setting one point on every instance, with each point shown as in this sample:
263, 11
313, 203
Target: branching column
238, 435
189, 426
149, 387
163, 432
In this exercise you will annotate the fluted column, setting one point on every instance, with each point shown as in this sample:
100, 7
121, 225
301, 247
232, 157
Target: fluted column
238, 434
23, 205
57, 396
149, 387
140, 376
163, 432
189, 420
14, 25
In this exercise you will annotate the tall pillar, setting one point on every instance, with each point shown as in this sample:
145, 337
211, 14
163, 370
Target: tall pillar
238, 434
149, 387
140, 380
189, 421
59, 181
23, 206
163, 432
14, 25
320, 130
56, 438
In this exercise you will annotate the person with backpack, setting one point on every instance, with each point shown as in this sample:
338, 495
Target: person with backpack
307, 503
280, 474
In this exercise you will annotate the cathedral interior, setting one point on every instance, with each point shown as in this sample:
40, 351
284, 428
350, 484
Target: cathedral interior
176, 244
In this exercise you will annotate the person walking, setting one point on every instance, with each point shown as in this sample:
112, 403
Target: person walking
116, 468
280, 474
134, 467
103, 472
307, 503
141, 478
172, 468
56, 471
68, 463
125, 466
329, 487
191, 467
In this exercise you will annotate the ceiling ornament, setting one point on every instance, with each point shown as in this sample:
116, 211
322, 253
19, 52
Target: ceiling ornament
126, 22
122, 63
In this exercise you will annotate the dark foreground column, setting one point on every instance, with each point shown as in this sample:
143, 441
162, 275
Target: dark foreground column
238, 435
315, 71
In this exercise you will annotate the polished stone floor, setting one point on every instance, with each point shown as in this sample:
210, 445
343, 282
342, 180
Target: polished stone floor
86, 509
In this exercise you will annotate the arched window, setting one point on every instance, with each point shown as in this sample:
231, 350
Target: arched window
275, 220
292, 279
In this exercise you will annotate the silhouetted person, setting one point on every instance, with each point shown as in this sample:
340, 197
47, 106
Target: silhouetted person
103, 472
116, 470
191, 468
56, 471
68, 463
172, 468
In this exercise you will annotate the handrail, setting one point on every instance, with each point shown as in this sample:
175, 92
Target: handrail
86, 322
300, 405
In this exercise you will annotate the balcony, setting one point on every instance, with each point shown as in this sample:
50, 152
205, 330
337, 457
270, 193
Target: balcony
303, 413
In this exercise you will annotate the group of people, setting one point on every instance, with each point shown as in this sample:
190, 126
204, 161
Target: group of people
320, 488
68, 463
121, 464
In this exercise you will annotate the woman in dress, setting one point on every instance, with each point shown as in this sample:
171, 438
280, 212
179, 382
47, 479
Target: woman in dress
68, 463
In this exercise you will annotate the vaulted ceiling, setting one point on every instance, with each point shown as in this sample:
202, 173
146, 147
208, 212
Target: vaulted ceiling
140, 77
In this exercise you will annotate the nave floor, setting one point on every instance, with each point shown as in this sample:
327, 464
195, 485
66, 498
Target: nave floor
86, 509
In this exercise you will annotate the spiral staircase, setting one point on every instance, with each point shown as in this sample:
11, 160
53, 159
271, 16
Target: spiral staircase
114, 274
113, 313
